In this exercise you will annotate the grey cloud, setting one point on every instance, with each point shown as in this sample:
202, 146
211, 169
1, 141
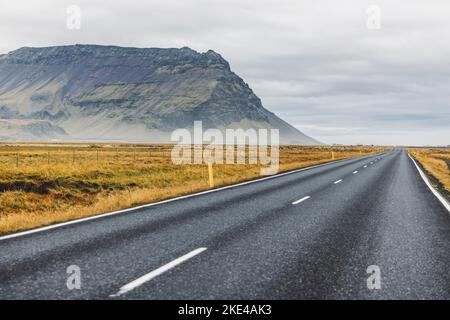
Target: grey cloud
314, 63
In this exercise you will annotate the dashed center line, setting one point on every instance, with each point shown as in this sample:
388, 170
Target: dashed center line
356, 171
301, 200
149, 276
336, 182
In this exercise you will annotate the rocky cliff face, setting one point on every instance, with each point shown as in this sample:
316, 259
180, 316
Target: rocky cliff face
102, 93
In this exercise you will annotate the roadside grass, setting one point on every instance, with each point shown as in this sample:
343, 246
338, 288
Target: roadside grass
41, 184
436, 162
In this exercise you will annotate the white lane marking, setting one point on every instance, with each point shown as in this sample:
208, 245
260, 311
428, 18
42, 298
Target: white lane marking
336, 182
301, 200
356, 171
435, 192
108, 214
365, 166
149, 276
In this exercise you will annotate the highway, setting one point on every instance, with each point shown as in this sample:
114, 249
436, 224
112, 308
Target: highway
309, 234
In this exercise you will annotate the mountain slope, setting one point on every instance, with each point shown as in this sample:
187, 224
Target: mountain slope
101, 93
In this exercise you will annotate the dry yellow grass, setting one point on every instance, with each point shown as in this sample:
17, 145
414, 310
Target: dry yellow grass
436, 162
56, 182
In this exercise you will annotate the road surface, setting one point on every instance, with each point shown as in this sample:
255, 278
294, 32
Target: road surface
310, 234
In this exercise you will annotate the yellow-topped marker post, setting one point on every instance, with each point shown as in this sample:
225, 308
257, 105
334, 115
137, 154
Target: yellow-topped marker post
210, 175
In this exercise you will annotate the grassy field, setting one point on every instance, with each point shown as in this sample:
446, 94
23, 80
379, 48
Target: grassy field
436, 161
42, 184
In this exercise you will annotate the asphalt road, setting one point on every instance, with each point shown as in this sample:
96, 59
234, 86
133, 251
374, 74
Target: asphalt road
263, 240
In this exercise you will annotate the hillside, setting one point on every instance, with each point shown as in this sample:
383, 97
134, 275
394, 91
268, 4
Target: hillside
107, 93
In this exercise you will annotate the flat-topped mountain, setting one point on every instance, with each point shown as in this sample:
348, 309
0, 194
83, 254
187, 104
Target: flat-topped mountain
108, 93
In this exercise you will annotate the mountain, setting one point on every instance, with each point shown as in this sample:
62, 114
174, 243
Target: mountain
109, 93
28, 130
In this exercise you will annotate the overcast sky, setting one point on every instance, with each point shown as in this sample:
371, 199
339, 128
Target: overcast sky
314, 63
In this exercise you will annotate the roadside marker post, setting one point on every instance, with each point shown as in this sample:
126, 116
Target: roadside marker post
210, 174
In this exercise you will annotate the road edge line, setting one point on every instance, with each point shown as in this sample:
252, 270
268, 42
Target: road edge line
439, 196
